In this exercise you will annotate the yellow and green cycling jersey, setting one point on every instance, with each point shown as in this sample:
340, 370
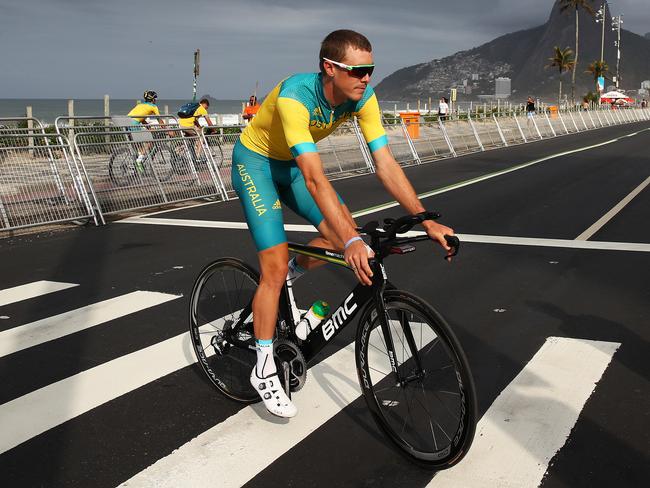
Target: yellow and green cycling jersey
190, 121
143, 110
296, 115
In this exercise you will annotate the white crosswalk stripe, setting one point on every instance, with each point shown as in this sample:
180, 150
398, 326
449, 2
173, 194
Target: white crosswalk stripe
34, 333
31, 290
331, 386
533, 417
550, 391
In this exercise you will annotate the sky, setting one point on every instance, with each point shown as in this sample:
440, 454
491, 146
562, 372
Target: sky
88, 48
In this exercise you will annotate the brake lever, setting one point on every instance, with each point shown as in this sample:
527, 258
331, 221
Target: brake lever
454, 243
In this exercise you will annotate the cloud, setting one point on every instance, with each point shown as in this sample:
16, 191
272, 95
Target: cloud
85, 48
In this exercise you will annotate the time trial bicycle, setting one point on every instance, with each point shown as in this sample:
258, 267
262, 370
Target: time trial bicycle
412, 370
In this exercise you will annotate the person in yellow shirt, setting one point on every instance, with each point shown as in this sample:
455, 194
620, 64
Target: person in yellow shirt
139, 115
188, 124
141, 111
276, 163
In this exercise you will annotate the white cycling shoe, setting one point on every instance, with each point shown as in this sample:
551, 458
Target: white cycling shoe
275, 399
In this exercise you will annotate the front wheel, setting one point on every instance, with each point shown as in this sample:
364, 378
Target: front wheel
430, 411
220, 300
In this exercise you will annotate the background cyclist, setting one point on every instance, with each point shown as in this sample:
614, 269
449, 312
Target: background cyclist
139, 115
276, 160
192, 122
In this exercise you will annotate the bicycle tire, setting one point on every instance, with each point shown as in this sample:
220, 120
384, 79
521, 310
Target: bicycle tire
121, 167
213, 299
386, 399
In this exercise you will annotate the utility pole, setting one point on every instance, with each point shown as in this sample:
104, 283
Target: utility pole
616, 26
601, 16
197, 60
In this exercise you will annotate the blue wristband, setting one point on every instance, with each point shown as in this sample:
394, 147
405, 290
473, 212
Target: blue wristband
353, 239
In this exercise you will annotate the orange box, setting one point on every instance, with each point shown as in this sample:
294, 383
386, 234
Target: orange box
412, 122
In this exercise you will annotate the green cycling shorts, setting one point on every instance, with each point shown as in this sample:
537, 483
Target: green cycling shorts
263, 185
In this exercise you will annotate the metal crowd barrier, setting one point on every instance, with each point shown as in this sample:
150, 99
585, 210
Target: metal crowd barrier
39, 182
344, 152
146, 167
432, 142
219, 142
69, 125
400, 142
114, 166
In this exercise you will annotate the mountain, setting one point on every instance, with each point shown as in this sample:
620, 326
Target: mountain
522, 57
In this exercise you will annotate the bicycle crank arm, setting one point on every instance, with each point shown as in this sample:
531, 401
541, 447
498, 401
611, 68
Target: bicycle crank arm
287, 378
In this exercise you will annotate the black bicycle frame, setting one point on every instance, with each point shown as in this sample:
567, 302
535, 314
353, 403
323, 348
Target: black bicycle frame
342, 316
345, 313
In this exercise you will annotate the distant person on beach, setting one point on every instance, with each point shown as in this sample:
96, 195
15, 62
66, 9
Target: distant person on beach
251, 109
530, 107
443, 109
139, 115
530, 111
188, 124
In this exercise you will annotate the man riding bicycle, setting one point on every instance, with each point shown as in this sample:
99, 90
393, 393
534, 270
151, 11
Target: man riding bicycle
276, 161
139, 115
191, 124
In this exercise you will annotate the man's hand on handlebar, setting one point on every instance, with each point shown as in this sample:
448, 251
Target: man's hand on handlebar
357, 255
437, 232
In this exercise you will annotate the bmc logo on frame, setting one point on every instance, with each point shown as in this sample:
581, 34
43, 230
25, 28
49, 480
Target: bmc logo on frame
339, 317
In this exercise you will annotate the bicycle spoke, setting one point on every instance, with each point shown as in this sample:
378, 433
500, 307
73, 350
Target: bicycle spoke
430, 416
375, 347
376, 370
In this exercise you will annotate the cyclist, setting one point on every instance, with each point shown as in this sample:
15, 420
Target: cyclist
193, 121
139, 115
276, 161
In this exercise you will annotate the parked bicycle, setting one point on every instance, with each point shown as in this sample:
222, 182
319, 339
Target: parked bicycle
412, 370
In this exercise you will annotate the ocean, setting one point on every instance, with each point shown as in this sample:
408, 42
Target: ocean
48, 109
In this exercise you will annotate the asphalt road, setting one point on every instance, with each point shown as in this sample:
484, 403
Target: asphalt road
503, 301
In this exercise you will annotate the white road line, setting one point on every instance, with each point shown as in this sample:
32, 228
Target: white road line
472, 181
41, 410
475, 238
609, 215
532, 418
209, 224
51, 328
32, 290
235, 450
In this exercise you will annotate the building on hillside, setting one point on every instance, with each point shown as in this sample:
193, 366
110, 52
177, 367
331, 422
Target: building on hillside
502, 88
645, 85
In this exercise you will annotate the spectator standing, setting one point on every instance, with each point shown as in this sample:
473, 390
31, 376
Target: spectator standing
251, 109
530, 107
443, 109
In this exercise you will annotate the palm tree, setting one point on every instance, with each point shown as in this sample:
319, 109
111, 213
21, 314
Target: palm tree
598, 69
576, 5
562, 60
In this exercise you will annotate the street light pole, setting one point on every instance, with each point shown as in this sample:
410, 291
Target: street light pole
616, 26
601, 16
197, 60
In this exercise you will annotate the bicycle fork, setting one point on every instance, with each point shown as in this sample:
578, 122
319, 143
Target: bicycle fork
388, 336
